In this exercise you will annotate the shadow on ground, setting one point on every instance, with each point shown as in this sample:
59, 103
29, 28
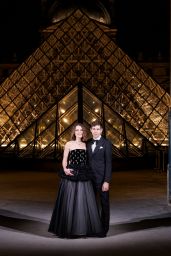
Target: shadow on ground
23, 223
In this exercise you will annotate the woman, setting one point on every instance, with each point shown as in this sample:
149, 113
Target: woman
75, 213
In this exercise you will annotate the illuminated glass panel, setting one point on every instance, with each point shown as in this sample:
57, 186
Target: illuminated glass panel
79, 50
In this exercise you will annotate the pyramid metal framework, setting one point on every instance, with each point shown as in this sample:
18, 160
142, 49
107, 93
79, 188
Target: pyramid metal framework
39, 100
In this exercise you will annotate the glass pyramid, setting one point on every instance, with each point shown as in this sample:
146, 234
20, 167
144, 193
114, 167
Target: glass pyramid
39, 100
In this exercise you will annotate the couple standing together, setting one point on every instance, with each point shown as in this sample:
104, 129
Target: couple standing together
82, 206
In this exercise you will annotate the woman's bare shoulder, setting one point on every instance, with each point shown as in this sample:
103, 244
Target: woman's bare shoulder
69, 143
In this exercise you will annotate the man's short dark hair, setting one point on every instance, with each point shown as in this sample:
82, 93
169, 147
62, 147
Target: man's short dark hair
96, 122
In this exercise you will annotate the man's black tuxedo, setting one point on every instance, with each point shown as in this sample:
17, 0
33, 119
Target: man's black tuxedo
100, 161
100, 164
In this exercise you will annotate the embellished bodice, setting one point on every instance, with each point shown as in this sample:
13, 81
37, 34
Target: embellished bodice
77, 161
77, 157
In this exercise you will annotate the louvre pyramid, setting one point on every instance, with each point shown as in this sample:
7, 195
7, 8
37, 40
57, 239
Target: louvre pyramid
80, 50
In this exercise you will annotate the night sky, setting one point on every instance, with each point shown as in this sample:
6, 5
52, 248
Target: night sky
14, 15
143, 25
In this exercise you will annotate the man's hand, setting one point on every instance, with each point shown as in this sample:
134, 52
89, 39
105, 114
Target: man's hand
105, 186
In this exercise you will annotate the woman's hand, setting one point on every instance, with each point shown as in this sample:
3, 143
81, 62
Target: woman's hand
68, 172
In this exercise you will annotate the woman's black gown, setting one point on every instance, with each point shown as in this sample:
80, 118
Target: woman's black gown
75, 213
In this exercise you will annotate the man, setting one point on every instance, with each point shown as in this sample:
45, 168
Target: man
100, 162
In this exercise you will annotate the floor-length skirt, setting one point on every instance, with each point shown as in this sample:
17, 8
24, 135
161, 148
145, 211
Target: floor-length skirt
75, 213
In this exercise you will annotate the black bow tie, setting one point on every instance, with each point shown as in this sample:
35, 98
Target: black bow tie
95, 141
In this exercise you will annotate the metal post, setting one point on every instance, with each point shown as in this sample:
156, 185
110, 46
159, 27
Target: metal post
56, 131
169, 164
103, 121
125, 139
169, 150
35, 139
80, 103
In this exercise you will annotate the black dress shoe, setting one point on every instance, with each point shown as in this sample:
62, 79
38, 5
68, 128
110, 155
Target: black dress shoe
101, 235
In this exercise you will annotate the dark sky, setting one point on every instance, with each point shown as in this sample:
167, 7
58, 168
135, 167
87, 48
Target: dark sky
19, 26
143, 25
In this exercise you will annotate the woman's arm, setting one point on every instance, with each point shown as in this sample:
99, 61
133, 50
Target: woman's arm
65, 159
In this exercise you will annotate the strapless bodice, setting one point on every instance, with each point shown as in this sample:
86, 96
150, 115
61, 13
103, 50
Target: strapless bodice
77, 161
77, 157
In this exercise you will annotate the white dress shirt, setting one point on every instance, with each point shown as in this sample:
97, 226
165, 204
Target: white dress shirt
94, 144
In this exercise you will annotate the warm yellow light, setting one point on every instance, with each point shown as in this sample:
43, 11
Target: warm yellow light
96, 110
23, 145
65, 120
3, 145
62, 110
43, 146
101, 19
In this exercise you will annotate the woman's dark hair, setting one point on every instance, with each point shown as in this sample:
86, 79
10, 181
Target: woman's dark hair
84, 138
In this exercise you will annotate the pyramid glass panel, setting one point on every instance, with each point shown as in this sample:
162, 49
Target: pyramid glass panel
44, 87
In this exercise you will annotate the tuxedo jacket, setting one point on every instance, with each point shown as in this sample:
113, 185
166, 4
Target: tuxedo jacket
100, 161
